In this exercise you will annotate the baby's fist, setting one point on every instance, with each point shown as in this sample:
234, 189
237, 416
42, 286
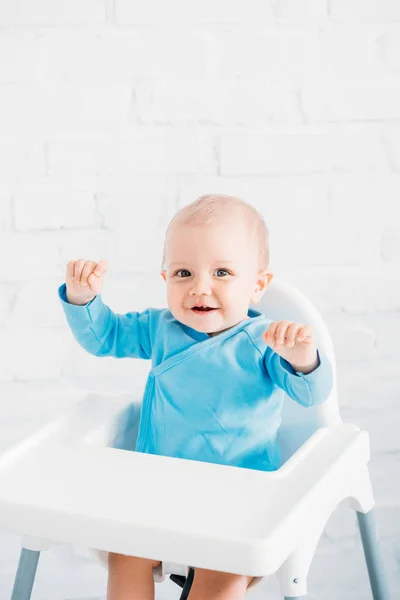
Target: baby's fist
295, 343
84, 280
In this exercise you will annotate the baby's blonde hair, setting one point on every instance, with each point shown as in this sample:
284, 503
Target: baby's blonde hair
210, 209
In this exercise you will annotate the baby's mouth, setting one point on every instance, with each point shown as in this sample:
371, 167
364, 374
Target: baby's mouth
203, 309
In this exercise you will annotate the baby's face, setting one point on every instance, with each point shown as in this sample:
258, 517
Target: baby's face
213, 266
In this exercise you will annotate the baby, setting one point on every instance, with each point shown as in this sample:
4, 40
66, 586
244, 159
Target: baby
220, 369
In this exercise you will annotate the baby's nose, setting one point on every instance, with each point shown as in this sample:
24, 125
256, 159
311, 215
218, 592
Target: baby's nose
201, 286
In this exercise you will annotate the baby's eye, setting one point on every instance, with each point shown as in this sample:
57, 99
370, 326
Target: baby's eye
182, 271
223, 271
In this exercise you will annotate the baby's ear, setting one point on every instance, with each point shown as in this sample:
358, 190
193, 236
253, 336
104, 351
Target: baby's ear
264, 279
164, 275
269, 277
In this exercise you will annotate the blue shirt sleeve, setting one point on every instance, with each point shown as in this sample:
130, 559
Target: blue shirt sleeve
102, 332
307, 390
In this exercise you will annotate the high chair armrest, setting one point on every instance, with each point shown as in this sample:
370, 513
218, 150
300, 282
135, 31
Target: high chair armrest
95, 419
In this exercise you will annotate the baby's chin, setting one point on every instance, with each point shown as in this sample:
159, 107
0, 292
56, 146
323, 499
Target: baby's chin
211, 325
204, 322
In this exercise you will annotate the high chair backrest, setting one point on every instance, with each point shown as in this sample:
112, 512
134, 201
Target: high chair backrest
282, 301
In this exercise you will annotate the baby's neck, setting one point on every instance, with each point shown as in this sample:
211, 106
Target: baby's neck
222, 330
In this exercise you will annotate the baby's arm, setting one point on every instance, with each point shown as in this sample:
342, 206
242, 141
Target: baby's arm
294, 363
94, 325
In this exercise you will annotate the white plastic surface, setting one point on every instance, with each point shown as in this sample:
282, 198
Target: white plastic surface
106, 498
77, 481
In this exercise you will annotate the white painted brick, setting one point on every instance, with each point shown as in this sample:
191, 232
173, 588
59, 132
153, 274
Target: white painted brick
10, 547
28, 57
124, 293
337, 54
353, 289
20, 159
53, 207
177, 12
137, 254
304, 149
359, 242
382, 425
34, 256
314, 228
119, 56
77, 362
62, 110
259, 153
37, 303
309, 12
390, 48
138, 241
100, 374
57, 12
36, 353
388, 521
123, 381
8, 294
229, 103
351, 99
371, 10
281, 55
159, 188
372, 385
58, 578
150, 151
378, 193
357, 147
27, 257
384, 469
84, 243
34, 403
5, 211
342, 524
269, 194
367, 209
386, 326
391, 244
5, 365
391, 135
352, 339
342, 572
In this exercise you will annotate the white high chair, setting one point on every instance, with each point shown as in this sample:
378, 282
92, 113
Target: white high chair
74, 482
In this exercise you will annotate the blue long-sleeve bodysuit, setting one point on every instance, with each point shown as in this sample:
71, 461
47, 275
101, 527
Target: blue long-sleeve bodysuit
215, 399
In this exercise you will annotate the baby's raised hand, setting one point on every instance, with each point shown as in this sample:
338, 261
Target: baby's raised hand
295, 343
84, 280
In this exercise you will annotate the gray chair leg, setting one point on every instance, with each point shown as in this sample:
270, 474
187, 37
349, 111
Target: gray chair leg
25, 576
373, 557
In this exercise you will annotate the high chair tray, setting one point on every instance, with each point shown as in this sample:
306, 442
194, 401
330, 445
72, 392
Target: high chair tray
188, 512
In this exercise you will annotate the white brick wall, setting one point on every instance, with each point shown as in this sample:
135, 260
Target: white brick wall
112, 115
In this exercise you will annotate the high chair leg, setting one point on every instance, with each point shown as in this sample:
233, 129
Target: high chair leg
25, 577
373, 557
